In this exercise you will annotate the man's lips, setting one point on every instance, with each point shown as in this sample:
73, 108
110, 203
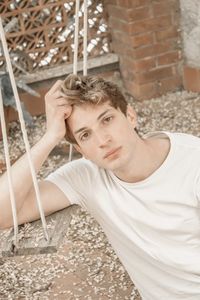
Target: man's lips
111, 152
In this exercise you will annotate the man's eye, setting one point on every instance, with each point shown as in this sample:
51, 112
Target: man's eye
108, 119
84, 136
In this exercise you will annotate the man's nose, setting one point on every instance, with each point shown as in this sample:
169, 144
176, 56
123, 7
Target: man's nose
102, 138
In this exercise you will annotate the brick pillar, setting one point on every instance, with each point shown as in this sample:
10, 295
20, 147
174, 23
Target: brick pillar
146, 36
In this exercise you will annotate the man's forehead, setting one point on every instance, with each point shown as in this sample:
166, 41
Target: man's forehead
82, 115
92, 106
90, 110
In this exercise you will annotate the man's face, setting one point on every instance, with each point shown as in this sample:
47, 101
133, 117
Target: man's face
104, 134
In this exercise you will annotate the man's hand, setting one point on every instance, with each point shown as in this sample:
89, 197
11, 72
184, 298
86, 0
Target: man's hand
57, 111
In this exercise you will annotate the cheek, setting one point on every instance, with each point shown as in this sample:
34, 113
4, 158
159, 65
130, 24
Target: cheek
88, 150
124, 131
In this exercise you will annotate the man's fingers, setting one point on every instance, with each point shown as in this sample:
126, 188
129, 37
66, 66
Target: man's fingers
58, 102
68, 112
64, 111
61, 101
54, 96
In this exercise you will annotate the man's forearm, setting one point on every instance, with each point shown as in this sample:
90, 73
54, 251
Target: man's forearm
57, 111
21, 176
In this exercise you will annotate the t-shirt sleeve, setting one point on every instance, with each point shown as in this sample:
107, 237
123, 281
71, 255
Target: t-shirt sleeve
75, 180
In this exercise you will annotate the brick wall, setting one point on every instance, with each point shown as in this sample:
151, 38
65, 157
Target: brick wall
146, 36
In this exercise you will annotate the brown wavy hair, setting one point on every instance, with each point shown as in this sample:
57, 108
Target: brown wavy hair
92, 90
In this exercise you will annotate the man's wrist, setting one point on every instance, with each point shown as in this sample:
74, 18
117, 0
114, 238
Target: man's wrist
50, 140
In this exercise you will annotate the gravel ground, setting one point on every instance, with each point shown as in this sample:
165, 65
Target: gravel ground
85, 266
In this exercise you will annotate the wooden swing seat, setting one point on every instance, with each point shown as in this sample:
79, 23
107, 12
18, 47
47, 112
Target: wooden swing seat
31, 237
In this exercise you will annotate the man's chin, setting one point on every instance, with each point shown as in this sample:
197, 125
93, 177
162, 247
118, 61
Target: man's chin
112, 166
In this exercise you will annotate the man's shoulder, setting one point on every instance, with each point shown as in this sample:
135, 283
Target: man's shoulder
180, 138
185, 139
77, 172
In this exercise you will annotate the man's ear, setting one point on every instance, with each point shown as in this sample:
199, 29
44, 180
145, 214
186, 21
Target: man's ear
131, 115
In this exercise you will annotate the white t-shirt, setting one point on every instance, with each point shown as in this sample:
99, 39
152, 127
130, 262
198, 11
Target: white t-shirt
153, 225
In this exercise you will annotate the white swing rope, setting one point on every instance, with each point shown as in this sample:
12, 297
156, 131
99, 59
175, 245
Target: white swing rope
7, 157
26, 142
85, 28
21, 119
76, 37
75, 64
8, 167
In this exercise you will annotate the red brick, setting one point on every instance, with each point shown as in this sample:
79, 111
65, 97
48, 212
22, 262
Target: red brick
124, 3
191, 79
153, 24
144, 64
117, 12
118, 36
154, 89
176, 18
122, 49
147, 46
165, 7
119, 48
119, 25
128, 15
142, 92
123, 40
170, 84
154, 75
127, 63
132, 42
133, 3
34, 105
139, 13
171, 32
142, 40
109, 2
155, 49
169, 58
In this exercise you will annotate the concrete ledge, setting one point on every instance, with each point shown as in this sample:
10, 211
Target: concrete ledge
64, 69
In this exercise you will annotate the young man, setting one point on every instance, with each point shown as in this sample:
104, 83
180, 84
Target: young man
144, 192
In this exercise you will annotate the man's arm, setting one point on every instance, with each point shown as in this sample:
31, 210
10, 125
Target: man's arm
57, 110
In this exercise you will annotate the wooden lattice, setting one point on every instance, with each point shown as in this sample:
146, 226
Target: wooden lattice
44, 34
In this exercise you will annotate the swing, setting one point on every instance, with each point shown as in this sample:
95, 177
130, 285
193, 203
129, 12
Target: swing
44, 235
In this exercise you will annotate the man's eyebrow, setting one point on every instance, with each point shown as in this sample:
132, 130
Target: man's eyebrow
104, 113
99, 117
79, 130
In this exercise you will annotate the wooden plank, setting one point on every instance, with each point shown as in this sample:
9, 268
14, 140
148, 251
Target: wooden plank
31, 238
65, 69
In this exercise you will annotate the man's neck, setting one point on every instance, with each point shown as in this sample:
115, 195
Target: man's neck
148, 157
